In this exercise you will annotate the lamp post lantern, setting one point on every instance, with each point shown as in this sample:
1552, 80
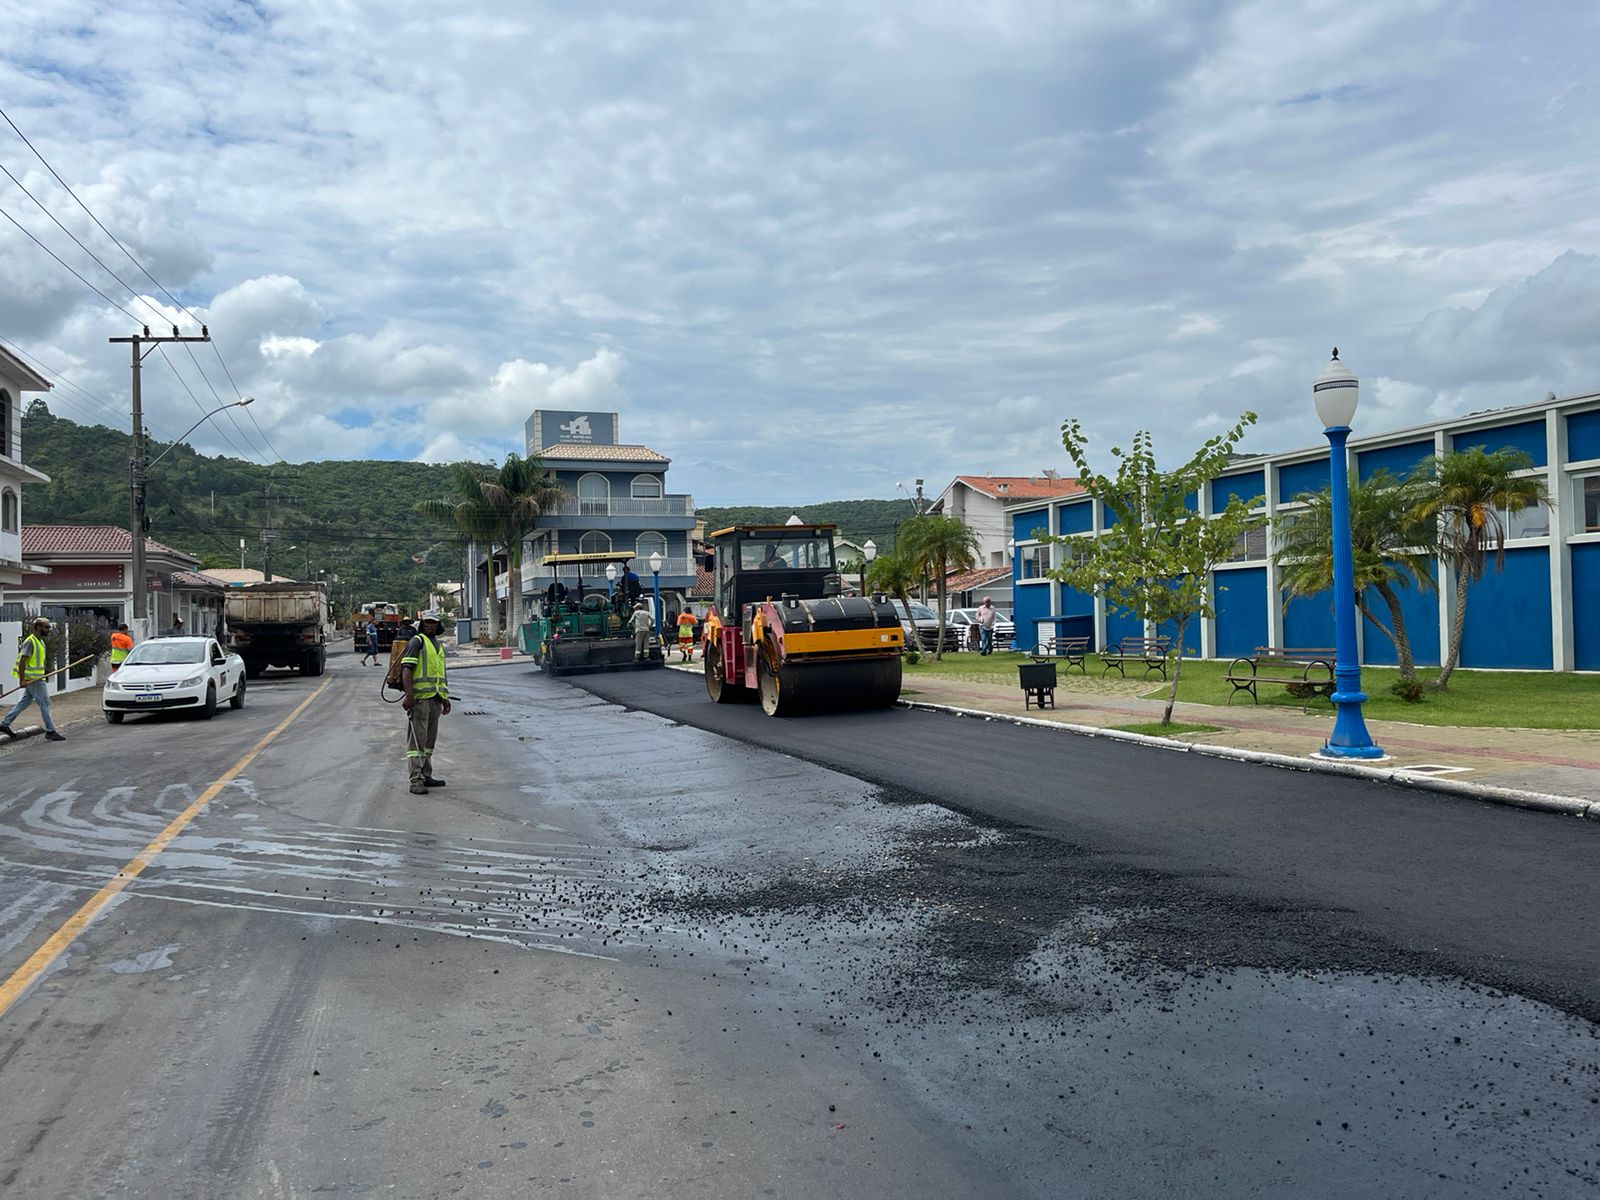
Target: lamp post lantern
655, 583
1336, 393
611, 579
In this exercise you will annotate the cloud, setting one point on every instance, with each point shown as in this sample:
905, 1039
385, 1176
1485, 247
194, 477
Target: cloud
810, 249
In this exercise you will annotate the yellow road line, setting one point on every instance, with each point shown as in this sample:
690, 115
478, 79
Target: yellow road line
40, 960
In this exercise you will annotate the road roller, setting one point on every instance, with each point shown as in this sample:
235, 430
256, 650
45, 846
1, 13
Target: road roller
782, 632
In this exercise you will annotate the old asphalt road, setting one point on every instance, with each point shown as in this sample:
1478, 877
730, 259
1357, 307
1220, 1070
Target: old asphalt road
624, 956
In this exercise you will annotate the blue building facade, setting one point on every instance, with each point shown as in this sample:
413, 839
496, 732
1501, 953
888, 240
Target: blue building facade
1541, 612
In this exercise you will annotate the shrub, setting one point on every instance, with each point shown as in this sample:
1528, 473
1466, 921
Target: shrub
1409, 690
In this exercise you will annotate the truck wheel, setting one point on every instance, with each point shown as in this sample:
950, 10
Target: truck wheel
209, 710
236, 700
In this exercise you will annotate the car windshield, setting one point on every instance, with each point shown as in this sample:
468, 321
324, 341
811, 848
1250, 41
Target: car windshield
163, 652
921, 612
775, 552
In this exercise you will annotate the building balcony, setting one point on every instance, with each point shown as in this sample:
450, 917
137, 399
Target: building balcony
613, 506
675, 573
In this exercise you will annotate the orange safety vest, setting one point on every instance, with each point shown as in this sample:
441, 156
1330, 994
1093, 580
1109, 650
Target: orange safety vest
121, 644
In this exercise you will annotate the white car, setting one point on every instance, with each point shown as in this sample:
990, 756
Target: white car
170, 673
1004, 630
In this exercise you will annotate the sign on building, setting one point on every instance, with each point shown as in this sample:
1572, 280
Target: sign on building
72, 577
550, 428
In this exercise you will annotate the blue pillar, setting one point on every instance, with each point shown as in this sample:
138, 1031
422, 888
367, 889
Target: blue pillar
1349, 738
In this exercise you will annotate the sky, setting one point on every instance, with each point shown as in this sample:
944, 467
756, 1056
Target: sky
808, 249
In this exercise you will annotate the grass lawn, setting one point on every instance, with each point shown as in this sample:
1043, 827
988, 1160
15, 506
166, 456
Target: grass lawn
1499, 699
1157, 729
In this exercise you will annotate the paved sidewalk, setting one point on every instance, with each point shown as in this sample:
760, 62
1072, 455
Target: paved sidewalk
67, 709
1562, 762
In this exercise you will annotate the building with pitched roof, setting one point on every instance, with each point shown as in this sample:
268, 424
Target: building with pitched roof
979, 502
617, 501
84, 575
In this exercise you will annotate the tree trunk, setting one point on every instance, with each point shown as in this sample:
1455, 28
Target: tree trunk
938, 647
1458, 622
1177, 670
513, 594
1402, 643
494, 601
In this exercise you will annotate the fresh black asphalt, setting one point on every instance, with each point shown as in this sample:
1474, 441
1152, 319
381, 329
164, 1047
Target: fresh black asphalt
1377, 877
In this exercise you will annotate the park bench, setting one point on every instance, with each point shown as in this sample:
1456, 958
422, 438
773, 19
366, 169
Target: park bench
1151, 653
1069, 649
1306, 671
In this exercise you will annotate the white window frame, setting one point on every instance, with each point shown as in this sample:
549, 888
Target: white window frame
656, 480
10, 511
641, 553
594, 533
586, 503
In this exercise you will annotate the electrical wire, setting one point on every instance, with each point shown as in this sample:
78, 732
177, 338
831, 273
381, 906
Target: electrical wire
238, 395
58, 377
196, 399
69, 266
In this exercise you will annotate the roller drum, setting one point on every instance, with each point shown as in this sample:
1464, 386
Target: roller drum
823, 687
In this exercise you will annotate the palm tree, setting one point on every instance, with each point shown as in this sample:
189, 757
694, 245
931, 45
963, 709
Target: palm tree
1386, 537
892, 572
496, 507
1469, 493
939, 545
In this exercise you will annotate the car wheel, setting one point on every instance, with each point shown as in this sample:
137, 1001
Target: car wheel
114, 718
237, 699
209, 710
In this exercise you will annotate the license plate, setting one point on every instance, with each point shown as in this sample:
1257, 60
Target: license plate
144, 696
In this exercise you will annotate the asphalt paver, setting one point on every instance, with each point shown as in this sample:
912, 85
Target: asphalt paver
694, 952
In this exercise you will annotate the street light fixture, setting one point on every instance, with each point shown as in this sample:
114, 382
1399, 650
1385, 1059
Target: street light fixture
869, 551
1336, 394
611, 579
196, 425
655, 582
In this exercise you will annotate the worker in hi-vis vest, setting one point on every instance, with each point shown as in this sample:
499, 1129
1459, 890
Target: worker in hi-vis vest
427, 699
35, 687
121, 643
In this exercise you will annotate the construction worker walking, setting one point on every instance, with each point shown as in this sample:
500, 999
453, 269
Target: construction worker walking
643, 624
121, 644
422, 675
35, 687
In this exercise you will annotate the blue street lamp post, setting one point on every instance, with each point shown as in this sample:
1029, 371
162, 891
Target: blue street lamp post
655, 583
1336, 393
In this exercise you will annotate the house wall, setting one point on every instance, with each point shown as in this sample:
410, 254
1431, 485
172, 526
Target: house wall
1542, 611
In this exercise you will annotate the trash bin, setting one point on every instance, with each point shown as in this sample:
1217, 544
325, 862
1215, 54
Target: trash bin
463, 631
1038, 680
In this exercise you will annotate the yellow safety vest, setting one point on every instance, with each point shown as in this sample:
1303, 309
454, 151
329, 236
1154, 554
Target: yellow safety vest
32, 659
427, 674
118, 653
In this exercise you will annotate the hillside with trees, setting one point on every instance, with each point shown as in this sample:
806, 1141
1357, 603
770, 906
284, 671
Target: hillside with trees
353, 519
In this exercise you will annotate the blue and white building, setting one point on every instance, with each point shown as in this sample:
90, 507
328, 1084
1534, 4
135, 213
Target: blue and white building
1541, 612
617, 500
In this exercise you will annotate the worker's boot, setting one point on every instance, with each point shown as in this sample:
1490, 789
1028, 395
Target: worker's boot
419, 788
432, 781
53, 736
6, 729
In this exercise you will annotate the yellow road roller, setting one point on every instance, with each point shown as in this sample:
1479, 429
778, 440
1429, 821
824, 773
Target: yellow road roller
781, 631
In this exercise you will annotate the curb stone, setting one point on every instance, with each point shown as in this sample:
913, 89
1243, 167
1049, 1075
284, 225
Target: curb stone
1542, 801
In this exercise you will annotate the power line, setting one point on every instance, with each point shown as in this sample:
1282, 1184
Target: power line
69, 266
216, 349
56, 376
196, 399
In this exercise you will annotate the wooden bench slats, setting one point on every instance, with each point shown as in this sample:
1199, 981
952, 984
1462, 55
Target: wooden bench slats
1152, 652
1306, 667
1071, 650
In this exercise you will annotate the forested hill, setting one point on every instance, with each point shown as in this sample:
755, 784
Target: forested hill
858, 520
351, 519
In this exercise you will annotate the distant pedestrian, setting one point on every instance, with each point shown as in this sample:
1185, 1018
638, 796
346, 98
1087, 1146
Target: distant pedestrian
987, 615
422, 675
121, 644
176, 629
643, 626
372, 645
30, 673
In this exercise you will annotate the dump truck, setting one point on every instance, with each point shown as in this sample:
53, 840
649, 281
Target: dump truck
781, 631
384, 615
279, 625
584, 624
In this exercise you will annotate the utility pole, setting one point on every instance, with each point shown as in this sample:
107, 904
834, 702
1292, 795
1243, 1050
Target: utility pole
137, 523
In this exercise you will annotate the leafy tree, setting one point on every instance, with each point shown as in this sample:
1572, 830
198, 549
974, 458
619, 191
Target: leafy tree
894, 572
1466, 493
938, 545
1387, 541
496, 508
1156, 561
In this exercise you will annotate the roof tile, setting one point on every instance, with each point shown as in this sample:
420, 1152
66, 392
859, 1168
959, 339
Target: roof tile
88, 539
1020, 487
619, 453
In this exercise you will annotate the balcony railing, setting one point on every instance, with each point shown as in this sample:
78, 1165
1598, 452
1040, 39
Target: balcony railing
537, 575
612, 506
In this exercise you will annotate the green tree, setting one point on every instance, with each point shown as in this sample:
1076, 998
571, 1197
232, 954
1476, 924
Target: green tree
938, 545
1469, 494
1388, 542
895, 573
496, 508
1155, 561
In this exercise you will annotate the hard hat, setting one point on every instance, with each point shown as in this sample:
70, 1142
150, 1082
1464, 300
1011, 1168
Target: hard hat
430, 614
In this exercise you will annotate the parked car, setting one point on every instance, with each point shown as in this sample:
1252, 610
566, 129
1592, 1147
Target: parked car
922, 623
172, 673
1005, 631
